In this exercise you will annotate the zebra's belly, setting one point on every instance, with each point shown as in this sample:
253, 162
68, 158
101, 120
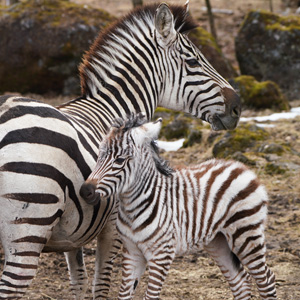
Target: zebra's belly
75, 230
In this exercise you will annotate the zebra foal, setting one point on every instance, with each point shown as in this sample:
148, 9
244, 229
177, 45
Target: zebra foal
217, 205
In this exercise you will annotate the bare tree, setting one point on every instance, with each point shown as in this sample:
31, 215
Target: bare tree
211, 20
11, 2
137, 3
271, 5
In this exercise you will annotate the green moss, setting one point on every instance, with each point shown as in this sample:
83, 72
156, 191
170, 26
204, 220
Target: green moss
273, 21
259, 95
243, 138
55, 12
194, 137
199, 36
274, 169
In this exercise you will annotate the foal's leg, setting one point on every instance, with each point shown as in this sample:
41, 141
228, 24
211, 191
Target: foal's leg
133, 267
233, 271
159, 267
251, 252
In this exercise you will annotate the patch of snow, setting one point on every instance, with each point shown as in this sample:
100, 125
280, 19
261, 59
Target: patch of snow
275, 117
262, 125
170, 146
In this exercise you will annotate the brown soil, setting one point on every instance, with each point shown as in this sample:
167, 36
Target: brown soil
197, 276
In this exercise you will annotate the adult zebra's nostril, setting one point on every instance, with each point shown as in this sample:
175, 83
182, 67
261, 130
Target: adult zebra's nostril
88, 192
236, 112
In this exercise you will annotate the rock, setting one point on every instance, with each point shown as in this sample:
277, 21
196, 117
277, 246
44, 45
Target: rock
271, 148
208, 46
259, 95
273, 168
243, 139
175, 129
239, 156
47, 39
267, 47
194, 137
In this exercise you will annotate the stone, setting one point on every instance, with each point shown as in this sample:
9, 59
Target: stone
245, 138
259, 95
42, 43
267, 47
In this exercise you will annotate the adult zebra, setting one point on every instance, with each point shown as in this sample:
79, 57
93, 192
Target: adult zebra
142, 61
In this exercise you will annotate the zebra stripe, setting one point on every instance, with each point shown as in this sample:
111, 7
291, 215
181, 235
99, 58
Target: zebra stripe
217, 205
140, 62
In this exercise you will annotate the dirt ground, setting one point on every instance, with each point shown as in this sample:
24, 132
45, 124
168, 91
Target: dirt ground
196, 276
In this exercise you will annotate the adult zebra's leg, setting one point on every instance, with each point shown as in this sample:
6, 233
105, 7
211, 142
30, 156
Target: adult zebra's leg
108, 246
133, 267
78, 274
22, 248
232, 269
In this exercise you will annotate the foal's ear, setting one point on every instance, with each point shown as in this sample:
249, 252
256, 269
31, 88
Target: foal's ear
147, 132
164, 23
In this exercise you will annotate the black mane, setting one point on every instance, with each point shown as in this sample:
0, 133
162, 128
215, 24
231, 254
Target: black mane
183, 23
131, 122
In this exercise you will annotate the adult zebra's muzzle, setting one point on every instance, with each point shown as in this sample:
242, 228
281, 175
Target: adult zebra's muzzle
89, 194
230, 118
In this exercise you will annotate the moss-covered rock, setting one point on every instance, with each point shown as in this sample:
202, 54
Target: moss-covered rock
259, 95
267, 47
271, 148
194, 137
208, 46
273, 168
47, 39
244, 138
177, 128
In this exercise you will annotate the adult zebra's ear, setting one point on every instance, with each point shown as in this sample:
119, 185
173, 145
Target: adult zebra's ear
164, 23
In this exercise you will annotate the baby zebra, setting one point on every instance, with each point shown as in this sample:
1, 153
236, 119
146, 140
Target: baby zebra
217, 205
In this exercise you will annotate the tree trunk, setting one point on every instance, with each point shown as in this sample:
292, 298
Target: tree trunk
211, 20
271, 5
137, 3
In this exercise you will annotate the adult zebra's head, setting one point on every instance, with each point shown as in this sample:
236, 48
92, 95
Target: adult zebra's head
125, 152
194, 86
146, 60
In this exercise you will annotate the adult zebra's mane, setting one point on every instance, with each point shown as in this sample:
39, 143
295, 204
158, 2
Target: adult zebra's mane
109, 41
133, 121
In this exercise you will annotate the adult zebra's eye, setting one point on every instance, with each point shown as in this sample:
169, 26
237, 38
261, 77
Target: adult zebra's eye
192, 62
119, 160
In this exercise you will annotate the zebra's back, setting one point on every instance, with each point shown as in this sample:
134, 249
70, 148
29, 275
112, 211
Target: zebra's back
214, 195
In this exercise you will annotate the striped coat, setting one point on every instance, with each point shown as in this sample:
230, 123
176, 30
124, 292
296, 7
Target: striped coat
142, 61
217, 205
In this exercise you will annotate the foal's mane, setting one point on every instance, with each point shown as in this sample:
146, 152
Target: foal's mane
133, 121
136, 22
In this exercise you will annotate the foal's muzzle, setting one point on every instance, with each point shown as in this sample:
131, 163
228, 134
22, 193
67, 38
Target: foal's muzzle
88, 193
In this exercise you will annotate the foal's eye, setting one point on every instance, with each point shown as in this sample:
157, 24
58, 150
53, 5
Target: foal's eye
192, 62
119, 160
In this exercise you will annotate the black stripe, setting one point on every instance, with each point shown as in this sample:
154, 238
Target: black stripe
37, 135
4, 98
33, 198
41, 111
43, 221
47, 171
31, 239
